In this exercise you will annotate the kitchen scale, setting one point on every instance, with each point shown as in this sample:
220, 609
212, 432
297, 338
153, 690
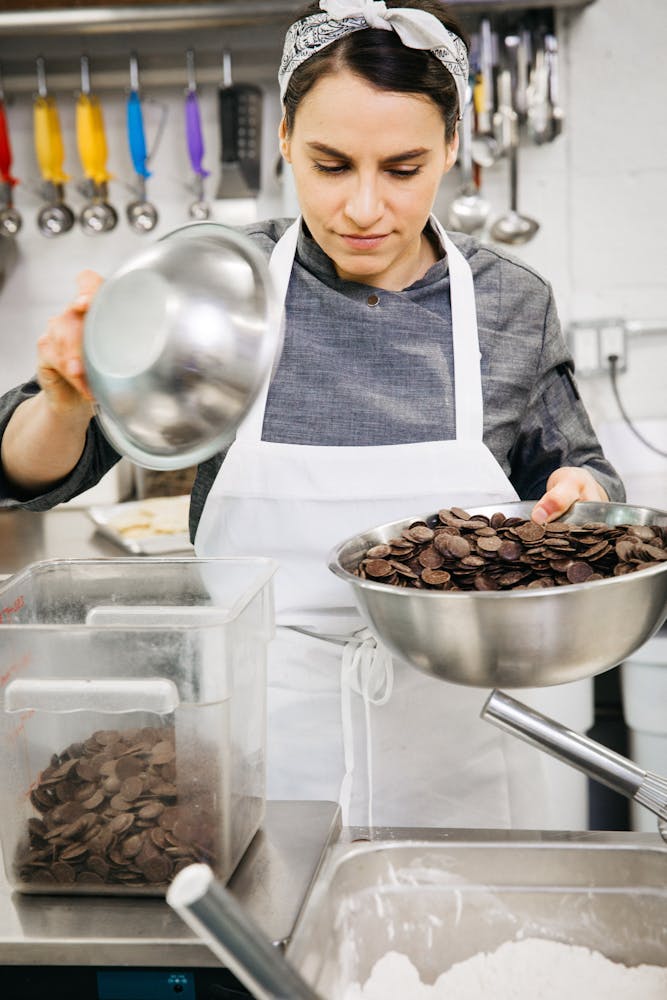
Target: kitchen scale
101, 948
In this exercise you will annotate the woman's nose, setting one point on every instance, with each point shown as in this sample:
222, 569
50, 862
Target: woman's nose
364, 204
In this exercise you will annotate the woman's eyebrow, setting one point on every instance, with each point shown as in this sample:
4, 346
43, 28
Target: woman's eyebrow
410, 154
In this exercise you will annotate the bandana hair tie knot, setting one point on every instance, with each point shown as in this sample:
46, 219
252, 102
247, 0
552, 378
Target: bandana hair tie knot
417, 29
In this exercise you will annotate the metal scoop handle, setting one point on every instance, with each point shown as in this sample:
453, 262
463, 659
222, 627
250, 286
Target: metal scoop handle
217, 918
572, 748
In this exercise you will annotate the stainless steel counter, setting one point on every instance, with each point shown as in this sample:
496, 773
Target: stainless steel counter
271, 882
63, 533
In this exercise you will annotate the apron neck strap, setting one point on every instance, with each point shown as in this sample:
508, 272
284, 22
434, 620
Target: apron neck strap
280, 268
465, 342
465, 339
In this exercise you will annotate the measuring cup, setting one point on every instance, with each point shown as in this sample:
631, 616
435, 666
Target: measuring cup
55, 217
141, 213
198, 209
98, 216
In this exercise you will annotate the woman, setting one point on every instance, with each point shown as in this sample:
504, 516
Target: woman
380, 407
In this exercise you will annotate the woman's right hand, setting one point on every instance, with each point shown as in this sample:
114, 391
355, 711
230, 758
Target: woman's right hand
60, 370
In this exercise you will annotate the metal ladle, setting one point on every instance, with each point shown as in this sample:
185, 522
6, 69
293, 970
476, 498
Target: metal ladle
511, 227
217, 918
468, 211
581, 752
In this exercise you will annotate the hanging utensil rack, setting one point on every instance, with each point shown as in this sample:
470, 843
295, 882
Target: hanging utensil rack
95, 17
162, 30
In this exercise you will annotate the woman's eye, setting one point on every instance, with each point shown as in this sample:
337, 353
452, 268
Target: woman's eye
404, 173
336, 168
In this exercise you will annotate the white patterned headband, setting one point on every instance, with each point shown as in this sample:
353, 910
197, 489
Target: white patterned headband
417, 29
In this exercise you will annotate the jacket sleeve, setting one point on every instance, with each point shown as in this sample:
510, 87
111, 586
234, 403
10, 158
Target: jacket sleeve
555, 429
97, 458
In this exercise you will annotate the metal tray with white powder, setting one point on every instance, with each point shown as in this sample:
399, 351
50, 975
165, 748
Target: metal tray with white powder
151, 527
444, 898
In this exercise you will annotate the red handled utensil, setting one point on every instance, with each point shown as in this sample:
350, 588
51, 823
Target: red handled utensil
10, 218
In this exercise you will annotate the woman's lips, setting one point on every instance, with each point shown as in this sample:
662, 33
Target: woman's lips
370, 242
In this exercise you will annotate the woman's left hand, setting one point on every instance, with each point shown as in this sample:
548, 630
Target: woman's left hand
564, 487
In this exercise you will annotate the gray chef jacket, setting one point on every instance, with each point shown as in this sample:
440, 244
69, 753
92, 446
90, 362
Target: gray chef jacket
349, 376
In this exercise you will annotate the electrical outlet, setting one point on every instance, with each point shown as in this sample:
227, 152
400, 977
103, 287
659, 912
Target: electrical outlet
592, 344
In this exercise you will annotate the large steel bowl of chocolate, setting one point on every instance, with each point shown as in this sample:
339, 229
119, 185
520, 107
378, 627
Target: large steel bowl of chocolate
512, 638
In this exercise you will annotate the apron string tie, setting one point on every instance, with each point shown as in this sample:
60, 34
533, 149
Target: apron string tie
367, 669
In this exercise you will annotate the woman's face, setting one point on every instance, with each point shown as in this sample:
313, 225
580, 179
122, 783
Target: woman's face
367, 164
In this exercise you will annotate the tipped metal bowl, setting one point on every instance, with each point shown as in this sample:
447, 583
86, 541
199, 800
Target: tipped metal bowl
521, 638
178, 342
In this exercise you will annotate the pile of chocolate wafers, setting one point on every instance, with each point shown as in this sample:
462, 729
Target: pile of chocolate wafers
110, 816
456, 550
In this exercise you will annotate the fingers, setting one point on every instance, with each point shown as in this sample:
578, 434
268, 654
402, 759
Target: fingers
87, 283
59, 355
564, 487
61, 371
554, 503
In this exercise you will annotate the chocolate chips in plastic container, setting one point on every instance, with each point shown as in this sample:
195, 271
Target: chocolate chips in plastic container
457, 551
110, 819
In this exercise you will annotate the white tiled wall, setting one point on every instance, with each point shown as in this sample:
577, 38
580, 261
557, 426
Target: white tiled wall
598, 192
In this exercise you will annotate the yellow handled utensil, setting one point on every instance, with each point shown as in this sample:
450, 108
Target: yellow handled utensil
91, 139
49, 141
55, 217
98, 216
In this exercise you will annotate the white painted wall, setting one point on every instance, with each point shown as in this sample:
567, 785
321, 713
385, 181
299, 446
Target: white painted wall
598, 192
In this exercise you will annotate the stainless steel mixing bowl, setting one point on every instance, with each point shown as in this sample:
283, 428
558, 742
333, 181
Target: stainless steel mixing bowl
520, 638
178, 342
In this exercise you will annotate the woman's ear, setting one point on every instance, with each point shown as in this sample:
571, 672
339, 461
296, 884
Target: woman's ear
284, 140
452, 152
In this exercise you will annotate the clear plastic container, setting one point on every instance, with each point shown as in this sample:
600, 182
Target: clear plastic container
132, 720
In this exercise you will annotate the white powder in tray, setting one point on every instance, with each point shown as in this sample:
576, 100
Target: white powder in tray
532, 969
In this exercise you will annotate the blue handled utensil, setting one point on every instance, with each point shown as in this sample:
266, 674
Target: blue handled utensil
141, 213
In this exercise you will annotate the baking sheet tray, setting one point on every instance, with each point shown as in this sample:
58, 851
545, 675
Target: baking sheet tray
150, 527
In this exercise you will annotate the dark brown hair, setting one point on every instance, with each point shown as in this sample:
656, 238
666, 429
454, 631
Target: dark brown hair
380, 58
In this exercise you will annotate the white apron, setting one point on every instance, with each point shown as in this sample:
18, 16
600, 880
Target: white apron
394, 746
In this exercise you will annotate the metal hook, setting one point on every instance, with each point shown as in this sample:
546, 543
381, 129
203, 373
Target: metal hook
42, 89
226, 69
190, 70
134, 72
85, 75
